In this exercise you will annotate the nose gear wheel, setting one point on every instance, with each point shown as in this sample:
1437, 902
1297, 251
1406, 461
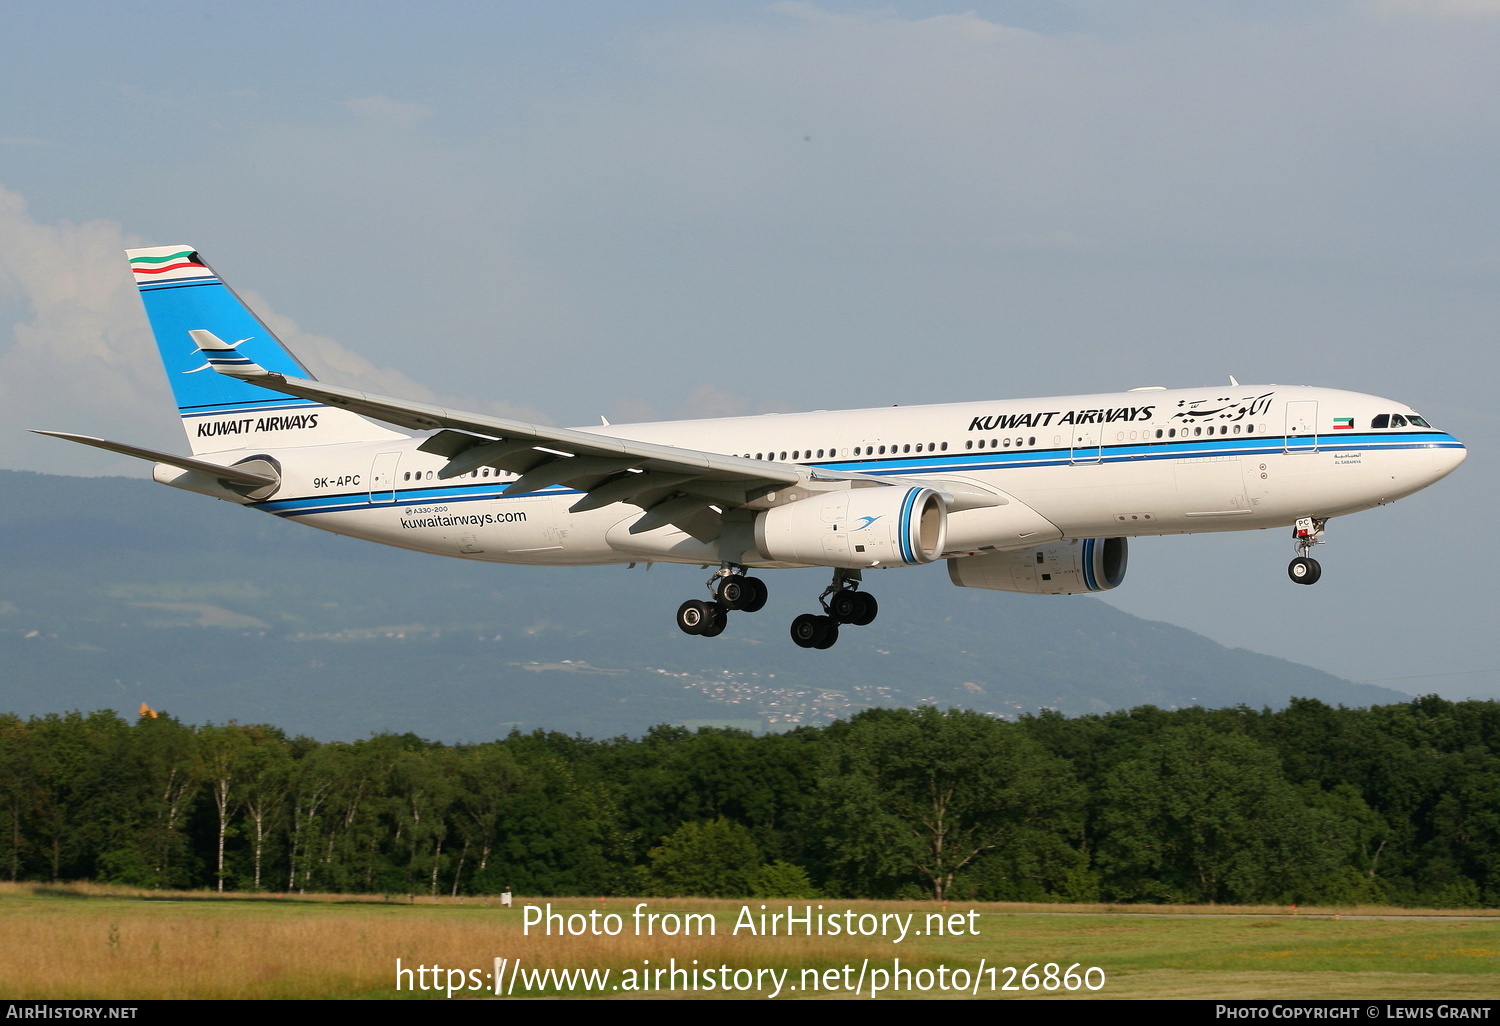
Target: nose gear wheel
1307, 532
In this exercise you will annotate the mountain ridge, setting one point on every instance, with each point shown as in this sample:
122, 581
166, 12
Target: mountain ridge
116, 591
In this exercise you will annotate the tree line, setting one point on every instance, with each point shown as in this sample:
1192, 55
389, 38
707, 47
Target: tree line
1310, 804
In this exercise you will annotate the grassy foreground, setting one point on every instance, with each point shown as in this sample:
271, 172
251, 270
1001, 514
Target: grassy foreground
96, 942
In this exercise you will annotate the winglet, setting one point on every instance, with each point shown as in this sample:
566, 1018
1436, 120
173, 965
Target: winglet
221, 356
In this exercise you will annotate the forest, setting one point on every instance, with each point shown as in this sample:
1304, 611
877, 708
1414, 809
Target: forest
1311, 804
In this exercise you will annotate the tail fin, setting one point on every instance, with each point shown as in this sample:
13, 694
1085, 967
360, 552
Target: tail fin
183, 295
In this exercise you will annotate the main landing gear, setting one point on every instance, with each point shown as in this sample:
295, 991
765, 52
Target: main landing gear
842, 604
731, 588
1308, 532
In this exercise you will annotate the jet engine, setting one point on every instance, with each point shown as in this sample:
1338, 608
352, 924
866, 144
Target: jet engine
856, 528
1064, 568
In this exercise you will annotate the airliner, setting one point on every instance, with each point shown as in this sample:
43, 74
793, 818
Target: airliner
1038, 496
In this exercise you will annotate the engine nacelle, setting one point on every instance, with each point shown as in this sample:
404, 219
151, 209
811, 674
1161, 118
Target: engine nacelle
1066, 568
856, 528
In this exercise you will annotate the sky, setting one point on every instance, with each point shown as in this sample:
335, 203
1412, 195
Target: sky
667, 209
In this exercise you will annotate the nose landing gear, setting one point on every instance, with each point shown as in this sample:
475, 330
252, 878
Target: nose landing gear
1308, 532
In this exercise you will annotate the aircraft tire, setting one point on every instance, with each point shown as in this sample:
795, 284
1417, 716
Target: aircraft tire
845, 606
1304, 570
757, 600
867, 611
695, 616
830, 635
806, 630
719, 622
731, 592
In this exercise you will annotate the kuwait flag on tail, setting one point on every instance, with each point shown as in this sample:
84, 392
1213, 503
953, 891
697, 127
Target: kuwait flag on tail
1343, 423
167, 264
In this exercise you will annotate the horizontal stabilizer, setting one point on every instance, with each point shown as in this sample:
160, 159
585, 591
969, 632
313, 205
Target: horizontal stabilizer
233, 474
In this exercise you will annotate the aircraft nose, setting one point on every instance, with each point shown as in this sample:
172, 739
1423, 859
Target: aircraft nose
1446, 459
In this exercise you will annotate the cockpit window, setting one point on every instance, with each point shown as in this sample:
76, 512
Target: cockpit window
1397, 420
1382, 421
1416, 421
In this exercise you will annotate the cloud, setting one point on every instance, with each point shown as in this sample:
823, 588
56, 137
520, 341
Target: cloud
82, 359
383, 111
329, 361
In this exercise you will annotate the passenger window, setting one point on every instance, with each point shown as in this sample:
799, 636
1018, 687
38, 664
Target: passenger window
969, 444
945, 446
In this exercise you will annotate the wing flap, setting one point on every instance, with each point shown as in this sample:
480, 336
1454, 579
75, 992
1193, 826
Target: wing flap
627, 488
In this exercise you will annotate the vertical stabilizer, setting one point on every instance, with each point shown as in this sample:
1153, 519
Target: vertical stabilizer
182, 294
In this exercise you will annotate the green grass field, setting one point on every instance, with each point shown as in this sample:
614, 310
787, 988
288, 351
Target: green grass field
96, 942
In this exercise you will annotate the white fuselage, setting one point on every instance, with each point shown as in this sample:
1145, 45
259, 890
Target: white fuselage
1145, 462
